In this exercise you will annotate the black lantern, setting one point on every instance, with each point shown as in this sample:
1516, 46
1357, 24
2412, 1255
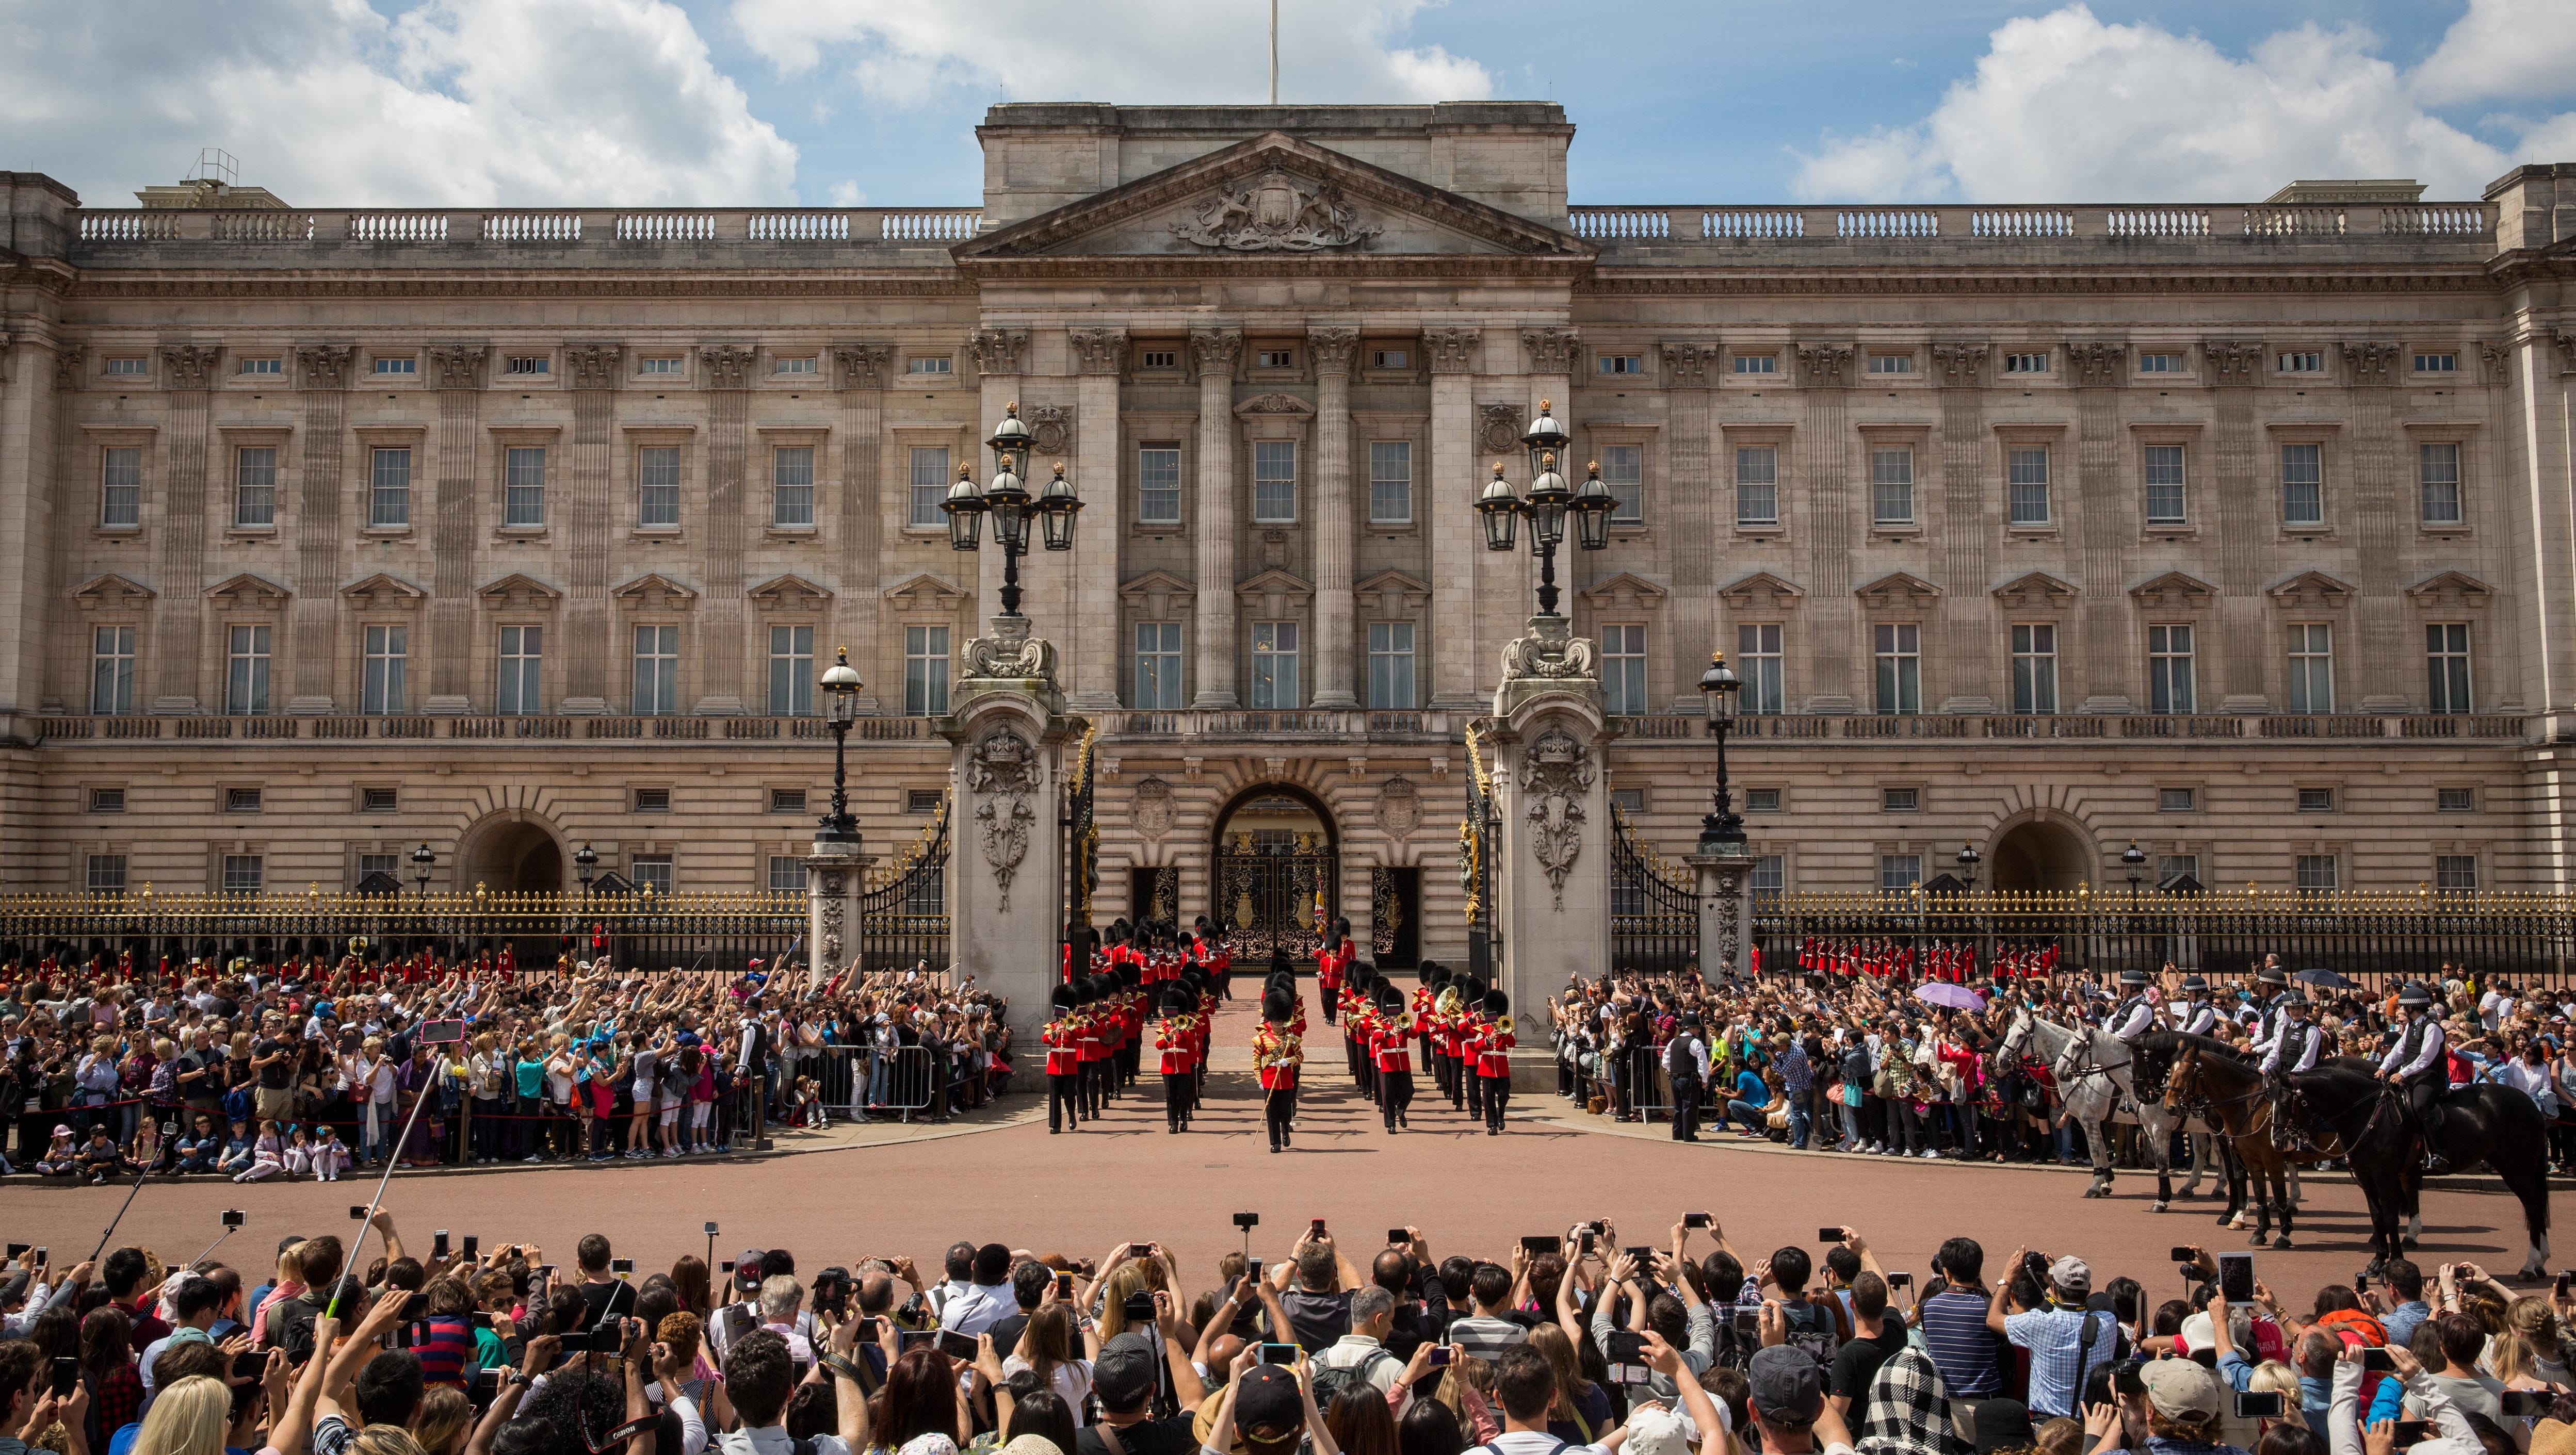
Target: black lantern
840, 686
1500, 505
421, 860
2134, 859
1722, 829
1968, 860
1009, 501
1593, 504
965, 509
1548, 503
1057, 505
1548, 498
585, 866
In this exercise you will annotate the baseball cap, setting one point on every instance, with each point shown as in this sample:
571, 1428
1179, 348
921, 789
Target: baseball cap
2071, 1277
1267, 1403
1785, 1385
2181, 1389
1657, 1432
1124, 1372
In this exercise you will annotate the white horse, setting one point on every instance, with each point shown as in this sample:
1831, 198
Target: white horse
2096, 1084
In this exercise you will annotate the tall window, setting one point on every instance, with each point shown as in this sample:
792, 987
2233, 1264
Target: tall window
1274, 481
246, 669
1390, 482
523, 496
388, 649
2311, 667
1770, 878
1158, 484
389, 486
1274, 664
1623, 469
104, 874
2316, 874
1390, 667
1623, 669
925, 671
255, 486
657, 485
786, 874
653, 871
2303, 485
657, 670
111, 669
2172, 688
2164, 485
2455, 873
2034, 665
929, 483
120, 486
1898, 647
791, 485
2446, 667
1891, 487
2437, 474
791, 672
1757, 485
1158, 666
243, 873
1899, 873
1758, 664
522, 671
2027, 478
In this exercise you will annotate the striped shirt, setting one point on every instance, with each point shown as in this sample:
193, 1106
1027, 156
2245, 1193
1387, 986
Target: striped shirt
1962, 1347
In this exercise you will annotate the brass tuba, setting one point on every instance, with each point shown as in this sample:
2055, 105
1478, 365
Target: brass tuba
1504, 1025
1448, 1001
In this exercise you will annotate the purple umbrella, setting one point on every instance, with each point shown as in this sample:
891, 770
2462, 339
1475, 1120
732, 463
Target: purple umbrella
1946, 993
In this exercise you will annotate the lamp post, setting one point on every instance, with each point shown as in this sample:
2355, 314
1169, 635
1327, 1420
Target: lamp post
585, 866
2133, 860
421, 860
1721, 830
1008, 500
1968, 861
1546, 506
840, 708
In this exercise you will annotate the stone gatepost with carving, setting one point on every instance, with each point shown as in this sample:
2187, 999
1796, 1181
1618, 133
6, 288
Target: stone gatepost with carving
1009, 738
836, 875
1552, 863
1725, 910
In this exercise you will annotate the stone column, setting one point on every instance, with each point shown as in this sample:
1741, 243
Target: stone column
1219, 509
1967, 528
1825, 527
179, 563
588, 643
322, 371
836, 878
1010, 746
1336, 524
859, 511
723, 654
458, 372
1725, 912
997, 352
2104, 522
1552, 860
1454, 535
2248, 515
2387, 674
1691, 498
1099, 357
34, 390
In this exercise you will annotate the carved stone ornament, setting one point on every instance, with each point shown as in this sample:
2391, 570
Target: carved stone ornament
1498, 428
1959, 363
1214, 351
1051, 428
1333, 349
67, 368
2232, 361
1153, 810
1825, 363
1274, 404
2566, 343
189, 366
2090, 364
1399, 808
457, 366
1098, 350
863, 366
728, 366
828, 884
1010, 652
2497, 355
1556, 780
1730, 920
324, 366
1551, 350
1002, 775
2369, 362
593, 366
997, 350
1550, 652
1452, 350
1687, 363
1273, 213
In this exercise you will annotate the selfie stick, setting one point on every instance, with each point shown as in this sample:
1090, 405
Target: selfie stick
120, 1214
392, 1159
210, 1247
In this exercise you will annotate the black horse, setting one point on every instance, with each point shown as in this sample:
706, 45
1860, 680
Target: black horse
2353, 1114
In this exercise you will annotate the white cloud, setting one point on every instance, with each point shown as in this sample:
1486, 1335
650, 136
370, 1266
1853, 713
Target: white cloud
2498, 48
847, 194
326, 102
2063, 107
902, 52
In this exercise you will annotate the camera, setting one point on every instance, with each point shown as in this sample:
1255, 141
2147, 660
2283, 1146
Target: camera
1440, 1356
711, 1230
606, 1338
2378, 1361
1900, 1280
1247, 1220
357, 1214
1624, 1347
621, 1266
956, 1345
1748, 1321
1064, 1285
1138, 1307
473, 1245
438, 1244
234, 1217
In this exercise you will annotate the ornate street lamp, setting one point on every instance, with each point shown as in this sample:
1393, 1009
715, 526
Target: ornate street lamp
1722, 829
840, 708
2135, 861
421, 860
1549, 502
1968, 860
1008, 500
585, 865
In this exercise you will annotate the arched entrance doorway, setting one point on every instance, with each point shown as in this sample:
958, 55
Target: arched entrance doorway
1275, 874
2042, 854
513, 856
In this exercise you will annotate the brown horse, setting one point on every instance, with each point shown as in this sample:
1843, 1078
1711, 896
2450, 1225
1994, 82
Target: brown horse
2230, 1096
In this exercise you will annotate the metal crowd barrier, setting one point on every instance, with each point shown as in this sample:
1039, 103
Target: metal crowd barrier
877, 1081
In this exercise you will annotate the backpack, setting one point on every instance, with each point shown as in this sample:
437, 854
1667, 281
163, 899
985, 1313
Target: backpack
1815, 1336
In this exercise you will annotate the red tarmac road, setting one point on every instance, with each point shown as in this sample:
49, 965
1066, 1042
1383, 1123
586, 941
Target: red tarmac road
1126, 1179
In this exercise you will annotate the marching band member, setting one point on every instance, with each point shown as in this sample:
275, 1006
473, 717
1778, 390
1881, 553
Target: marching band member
1493, 1051
1172, 1037
1062, 1037
1093, 1036
1331, 963
1276, 1051
1392, 1044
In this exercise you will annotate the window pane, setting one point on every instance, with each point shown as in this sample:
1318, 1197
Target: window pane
524, 490
2034, 654
657, 485
1623, 669
1158, 666
1900, 666
2302, 485
1274, 481
1623, 469
1757, 485
1390, 682
792, 479
389, 487
2170, 685
387, 658
1274, 665
2311, 667
1891, 487
2028, 472
1390, 482
1758, 666
2446, 664
1158, 484
791, 671
2164, 485
255, 487
121, 487
925, 671
657, 670
522, 666
246, 674
112, 669
929, 483
2438, 472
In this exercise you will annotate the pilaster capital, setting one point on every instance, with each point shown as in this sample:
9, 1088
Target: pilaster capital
1826, 363
1959, 363
1451, 350
997, 350
1334, 350
2369, 361
1098, 351
2232, 361
324, 366
594, 365
1690, 363
863, 366
189, 366
1213, 351
68, 375
728, 366
1551, 350
2096, 364
457, 366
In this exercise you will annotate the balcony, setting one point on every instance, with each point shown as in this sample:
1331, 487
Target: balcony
2132, 232
2069, 727
765, 237
672, 729
1321, 725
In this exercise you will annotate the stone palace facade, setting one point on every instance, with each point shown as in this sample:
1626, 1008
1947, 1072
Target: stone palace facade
2239, 531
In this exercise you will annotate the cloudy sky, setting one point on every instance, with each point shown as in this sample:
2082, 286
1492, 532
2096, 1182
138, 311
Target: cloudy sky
553, 102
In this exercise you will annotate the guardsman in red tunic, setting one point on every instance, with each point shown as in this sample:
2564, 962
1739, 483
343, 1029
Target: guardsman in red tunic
1062, 1037
1172, 1036
1494, 1042
1392, 1045
1331, 963
1277, 1048
1092, 1035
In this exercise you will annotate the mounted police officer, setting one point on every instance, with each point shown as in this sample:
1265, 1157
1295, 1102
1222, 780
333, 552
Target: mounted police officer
2271, 983
2134, 1016
2298, 1047
2195, 1016
2417, 1063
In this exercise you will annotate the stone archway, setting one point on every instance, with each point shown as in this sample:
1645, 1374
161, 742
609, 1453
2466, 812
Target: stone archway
2042, 854
1275, 853
512, 856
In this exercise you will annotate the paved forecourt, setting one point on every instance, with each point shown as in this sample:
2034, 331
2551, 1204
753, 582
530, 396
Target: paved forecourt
1126, 1179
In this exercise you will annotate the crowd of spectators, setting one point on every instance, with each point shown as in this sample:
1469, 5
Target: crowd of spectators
1574, 1343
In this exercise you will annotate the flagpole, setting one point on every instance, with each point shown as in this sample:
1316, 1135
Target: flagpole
1274, 52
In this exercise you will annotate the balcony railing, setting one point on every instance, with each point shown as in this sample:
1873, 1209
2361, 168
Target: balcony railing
1311, 723
474, 729
594, 230
1992, 224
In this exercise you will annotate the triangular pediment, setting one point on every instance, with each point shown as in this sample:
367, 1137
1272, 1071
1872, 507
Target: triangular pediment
789, 592
2451, 586
2311, 588
1394, 591
2034, 588
1144, 588
247, 589
1760, 588
654, 591
1275, 582
383, 589
2172, 589
1899, 588
111, 590
922, 592
518, 591
1270, 200
1625, 591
